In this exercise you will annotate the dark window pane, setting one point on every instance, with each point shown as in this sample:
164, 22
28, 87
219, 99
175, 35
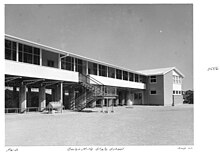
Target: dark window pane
142, 78
140, 95
68, 66
20, 47
131, 77
14, 45
153, 92
36, 51
50, 63
7, 54
63, 65
80, 69
20, 56
27, 58
136, 78
125, 75
80, 61
72, 67
36, 60
7, 44
28, 49
14, 55
68, 59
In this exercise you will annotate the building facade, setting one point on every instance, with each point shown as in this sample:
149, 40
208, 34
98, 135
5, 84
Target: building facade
36, 74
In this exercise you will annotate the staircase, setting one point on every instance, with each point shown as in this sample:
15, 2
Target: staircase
93, 91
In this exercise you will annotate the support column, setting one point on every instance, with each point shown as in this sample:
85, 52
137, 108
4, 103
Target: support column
116, 102
97, 69
107, 105
111, 104
15, 97
59, 93
17, 52
87, 67
29, 97
42, 98
123, 94
53, 96
129, 99
41, 57
59, 62
22, 98
102, 103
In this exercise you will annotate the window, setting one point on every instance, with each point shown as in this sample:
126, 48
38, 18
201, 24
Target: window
125, 75
180, 80
28, 54
140, 95
135, 77
102, 70
177, 92
10, 50
173, 91
111, 72
177, 79
180, 92
131, 76
153, 79
67, 63
118, 74
92, 68
79, 65
136, 96
153, 92
50, 63
142, 79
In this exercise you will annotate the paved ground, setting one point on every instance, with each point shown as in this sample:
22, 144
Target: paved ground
140, 125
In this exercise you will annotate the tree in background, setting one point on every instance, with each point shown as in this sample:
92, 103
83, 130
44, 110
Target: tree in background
188, 97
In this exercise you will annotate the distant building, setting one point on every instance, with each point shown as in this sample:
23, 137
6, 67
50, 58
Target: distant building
36, 74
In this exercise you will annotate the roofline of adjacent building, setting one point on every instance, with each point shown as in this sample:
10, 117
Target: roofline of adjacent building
163, 73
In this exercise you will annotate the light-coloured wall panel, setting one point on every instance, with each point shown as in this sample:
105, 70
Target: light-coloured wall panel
36, 71
118, 83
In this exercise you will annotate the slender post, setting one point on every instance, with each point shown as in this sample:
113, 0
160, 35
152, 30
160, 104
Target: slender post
102, 104
112, 106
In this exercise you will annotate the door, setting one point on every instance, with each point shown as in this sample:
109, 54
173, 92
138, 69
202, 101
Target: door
138, 98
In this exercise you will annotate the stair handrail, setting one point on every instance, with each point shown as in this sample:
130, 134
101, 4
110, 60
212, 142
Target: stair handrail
92, 79
80, 98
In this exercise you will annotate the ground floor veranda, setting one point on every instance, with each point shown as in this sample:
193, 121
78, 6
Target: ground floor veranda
24, 94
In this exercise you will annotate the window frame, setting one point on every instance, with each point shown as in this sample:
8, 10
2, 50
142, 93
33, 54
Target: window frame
11, 50
152, 93
151, 78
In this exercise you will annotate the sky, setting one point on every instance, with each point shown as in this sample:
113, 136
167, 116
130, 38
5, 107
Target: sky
136, 37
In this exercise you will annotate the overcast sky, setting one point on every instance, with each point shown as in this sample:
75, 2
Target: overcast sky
136, 37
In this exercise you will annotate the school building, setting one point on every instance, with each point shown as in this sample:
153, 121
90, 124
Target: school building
36, 75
